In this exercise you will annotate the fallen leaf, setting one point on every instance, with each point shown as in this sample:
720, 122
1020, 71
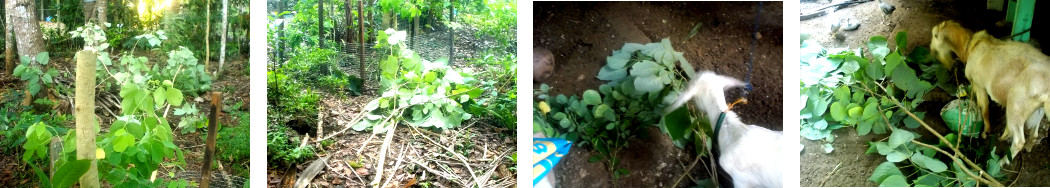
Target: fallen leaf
362, 171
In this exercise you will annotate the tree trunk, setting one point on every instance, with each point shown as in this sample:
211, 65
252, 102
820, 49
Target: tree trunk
320, 23
85, 116
9, 42
27, 29
222, 43
451, 33
101, 4
361, 37
387, 20
349, 17
207, 29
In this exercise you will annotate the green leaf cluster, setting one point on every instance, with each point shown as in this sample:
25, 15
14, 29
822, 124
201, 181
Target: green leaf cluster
641, 78
36, 74
843, 88
425, 93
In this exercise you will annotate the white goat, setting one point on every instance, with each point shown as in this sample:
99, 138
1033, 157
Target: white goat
750, 154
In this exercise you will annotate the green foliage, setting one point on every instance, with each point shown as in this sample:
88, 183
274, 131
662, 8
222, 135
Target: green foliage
139, 140
420, 92
146, 40
284, 149
235, 142
70, 11
499, 82
840, 88
317, 68
844, 88
641, 79
187, 73
191, 119
292, 102
93, 35
497, 18
34, 72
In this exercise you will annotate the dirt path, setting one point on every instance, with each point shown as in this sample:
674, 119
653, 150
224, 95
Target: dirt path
582, 34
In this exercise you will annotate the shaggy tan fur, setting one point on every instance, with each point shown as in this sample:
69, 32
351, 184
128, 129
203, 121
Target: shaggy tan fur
1014, 74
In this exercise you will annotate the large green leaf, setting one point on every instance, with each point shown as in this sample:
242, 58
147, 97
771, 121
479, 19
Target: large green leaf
592, 97
159, 95
884, 170
870, 111
648, 84
610, 74
842, 94
618, 60
894, 181
42, 58
892, 61
645, 68
838, 111
70, 172
877, 46
928, 163
874, 71
896, 156
900, 136
677, 123
902, 41
122, 141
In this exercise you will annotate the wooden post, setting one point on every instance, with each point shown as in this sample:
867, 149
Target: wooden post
209, 151
56, 152
85, 115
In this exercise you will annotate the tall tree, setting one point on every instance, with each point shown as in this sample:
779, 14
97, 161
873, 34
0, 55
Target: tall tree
207, 33
361, 39
320, 23
222, 43
101, 14
27, 30
9, 42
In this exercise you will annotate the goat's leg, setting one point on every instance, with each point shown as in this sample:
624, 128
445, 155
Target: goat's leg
1032, 125
1016, 115
982, 104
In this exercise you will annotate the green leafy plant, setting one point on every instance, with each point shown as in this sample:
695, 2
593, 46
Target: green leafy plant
420, 92
33, 70
191, 119
235, 145
880, 94
184, 68
140, 139
285, 148
641, 79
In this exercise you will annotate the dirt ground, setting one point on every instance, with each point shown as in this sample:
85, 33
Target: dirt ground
582, 34
916, 18
415, 158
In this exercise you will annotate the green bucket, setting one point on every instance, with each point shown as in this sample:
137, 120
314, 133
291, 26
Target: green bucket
962, 113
